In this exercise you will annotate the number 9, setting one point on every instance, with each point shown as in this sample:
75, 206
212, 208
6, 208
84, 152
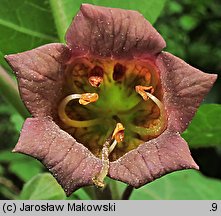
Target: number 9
214, 206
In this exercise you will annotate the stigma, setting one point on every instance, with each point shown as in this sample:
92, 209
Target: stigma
108, 147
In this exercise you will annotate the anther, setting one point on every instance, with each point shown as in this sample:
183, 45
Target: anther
84, 99
142, 90
118, 136
88, 98
95, 81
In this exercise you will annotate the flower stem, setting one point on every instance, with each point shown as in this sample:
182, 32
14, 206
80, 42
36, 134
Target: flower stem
96, 193
103, 193
60, 18
128, 191
10, 185
90, 191
10, 92
114, 189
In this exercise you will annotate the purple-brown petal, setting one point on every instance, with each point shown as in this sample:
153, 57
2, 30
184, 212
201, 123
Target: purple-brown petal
40, 77
107, 32
97, 34
159, 156
184, 89
71, 163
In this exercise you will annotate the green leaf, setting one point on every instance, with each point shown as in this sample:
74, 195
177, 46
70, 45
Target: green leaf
21, 165
1, 170
205, 128
5, 108
175, 7
188, 22
117, 188
80, 194
25, 169
24, 25
64, 10
180, 185
10, 92
42, 187
6, 193
17, 120
8, 156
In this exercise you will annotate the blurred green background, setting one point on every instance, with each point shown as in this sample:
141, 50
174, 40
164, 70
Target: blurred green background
192, 30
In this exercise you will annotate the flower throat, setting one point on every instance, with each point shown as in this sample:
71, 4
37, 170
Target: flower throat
118, 102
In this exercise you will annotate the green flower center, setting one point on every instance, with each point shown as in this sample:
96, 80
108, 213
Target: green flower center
119, 87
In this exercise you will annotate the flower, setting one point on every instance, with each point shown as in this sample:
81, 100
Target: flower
110, 102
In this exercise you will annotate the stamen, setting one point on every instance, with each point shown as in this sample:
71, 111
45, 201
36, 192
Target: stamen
84, 99
118, 133
118, 136
160, 123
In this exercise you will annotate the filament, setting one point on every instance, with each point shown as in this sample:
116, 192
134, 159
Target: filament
84, 99
160, 123
113, 145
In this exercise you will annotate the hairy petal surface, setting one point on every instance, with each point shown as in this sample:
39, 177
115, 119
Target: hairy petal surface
112, 32
71, 163
184, 89
98, 33
40, 77
164, 154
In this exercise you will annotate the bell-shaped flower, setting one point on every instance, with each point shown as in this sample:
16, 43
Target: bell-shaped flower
109, 103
